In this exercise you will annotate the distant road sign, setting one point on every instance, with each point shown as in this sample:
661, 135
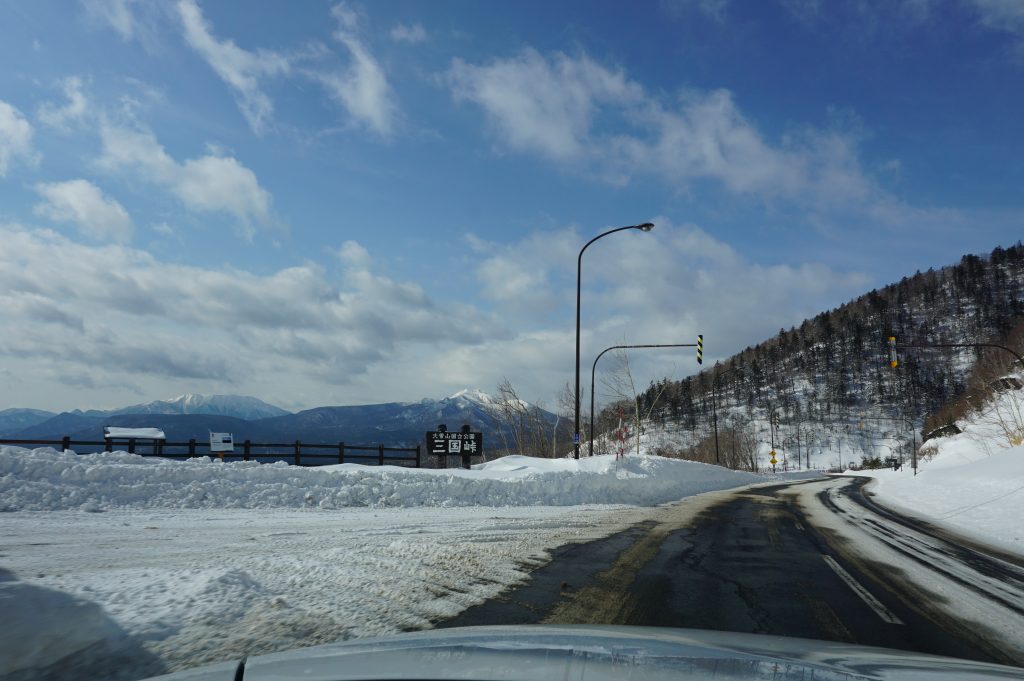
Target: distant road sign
455, 444
222, 442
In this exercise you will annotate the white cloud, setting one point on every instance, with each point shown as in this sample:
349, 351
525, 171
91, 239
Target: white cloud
82, 204
299, 330
73, 109
164, 229
308, 335
540, 105
15, 138
522, 278
1006, 15
362, 89
241, 69
211, 183
354, 255
117, 14
707, 137
219, 183
409, 34
665, 286
807, 12
133, 20
346, 15
598, 122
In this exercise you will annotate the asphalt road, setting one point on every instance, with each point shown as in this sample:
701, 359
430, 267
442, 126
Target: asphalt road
814, 559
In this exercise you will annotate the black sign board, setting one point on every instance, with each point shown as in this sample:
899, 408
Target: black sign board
455, 444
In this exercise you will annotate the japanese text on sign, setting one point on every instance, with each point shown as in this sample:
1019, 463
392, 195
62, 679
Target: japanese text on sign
455, 443
222, 442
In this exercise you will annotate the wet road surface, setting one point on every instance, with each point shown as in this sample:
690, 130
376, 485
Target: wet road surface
815, 559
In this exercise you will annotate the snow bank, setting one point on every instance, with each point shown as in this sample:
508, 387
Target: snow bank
964, 489
973, 482
176, 571
45, 479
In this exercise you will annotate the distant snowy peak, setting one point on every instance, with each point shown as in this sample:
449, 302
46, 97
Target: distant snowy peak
485, 400
474, 395
237, 406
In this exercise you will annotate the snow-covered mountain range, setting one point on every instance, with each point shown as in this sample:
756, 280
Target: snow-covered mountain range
237, 406
192, 416
13, 420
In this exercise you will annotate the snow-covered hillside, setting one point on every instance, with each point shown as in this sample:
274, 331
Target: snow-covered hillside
803, 446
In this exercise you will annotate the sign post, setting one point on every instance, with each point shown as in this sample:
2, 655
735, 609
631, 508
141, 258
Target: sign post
465, 443
222, 442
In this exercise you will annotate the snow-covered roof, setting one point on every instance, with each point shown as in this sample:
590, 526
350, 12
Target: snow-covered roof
134, 433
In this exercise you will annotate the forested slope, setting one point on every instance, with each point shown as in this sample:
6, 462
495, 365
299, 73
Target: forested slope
834, 367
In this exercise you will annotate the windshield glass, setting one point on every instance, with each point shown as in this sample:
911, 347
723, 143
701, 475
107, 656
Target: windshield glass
329, 322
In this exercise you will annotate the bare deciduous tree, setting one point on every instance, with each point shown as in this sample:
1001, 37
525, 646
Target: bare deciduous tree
524, 428
566, 409
619, 384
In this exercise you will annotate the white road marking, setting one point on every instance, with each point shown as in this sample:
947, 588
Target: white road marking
864, 594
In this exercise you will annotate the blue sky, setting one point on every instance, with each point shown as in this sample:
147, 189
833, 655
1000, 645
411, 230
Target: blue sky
339, 203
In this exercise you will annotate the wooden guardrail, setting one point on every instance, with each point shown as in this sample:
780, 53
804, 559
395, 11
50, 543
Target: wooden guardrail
299, 452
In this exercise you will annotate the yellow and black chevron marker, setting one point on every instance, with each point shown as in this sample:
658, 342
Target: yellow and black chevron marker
700, 349
893, 361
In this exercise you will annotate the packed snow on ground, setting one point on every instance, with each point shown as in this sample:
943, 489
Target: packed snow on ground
972, 482
113, 565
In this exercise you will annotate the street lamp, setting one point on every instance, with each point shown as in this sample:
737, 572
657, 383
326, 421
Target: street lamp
894, 361
645, 227
593, 371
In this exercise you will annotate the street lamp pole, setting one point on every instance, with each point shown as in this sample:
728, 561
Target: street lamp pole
593, 371
645, 227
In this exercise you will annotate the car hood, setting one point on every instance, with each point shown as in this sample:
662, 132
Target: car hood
592, 653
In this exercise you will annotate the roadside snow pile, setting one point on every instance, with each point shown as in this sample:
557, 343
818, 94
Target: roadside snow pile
48, 480
973, 483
